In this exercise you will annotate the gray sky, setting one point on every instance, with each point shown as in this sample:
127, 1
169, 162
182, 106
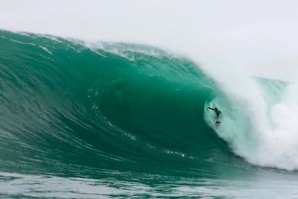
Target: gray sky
255, 36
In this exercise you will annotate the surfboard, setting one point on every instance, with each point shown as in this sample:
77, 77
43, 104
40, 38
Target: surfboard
217, 122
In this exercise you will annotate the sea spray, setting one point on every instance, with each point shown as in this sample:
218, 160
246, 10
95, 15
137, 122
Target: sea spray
259, 120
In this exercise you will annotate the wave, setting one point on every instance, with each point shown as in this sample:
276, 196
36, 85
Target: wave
125, 106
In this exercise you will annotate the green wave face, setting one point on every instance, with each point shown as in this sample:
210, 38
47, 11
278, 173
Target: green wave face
74, 109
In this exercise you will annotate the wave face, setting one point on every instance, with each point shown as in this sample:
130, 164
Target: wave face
77, 108
107, 105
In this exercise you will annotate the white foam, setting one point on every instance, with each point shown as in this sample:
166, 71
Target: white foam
280, 146
263, 134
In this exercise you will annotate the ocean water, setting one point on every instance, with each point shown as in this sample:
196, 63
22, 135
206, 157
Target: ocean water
101, 120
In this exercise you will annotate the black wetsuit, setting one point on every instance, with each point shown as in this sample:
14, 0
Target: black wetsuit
217, 111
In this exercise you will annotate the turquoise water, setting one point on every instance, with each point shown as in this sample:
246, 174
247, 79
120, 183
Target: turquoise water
121, 120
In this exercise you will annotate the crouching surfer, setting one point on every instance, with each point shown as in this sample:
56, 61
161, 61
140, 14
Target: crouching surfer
218, 113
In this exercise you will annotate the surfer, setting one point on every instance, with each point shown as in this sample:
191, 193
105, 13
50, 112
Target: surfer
217, 112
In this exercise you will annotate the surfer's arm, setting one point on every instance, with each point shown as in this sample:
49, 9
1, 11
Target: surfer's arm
211, 108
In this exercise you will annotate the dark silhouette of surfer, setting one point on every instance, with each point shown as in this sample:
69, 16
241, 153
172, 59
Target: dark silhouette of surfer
217, 112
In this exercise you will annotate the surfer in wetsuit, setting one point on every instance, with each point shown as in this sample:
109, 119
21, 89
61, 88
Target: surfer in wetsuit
217, 112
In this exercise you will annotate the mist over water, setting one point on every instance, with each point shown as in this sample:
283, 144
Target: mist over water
233, 34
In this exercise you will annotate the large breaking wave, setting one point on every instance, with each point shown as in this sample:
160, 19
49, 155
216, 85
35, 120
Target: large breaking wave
125, 106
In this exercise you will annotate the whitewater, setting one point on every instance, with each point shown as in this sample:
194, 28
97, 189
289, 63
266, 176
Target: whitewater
111, 99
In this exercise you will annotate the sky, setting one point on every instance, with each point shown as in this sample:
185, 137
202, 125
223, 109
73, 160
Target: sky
257, 36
